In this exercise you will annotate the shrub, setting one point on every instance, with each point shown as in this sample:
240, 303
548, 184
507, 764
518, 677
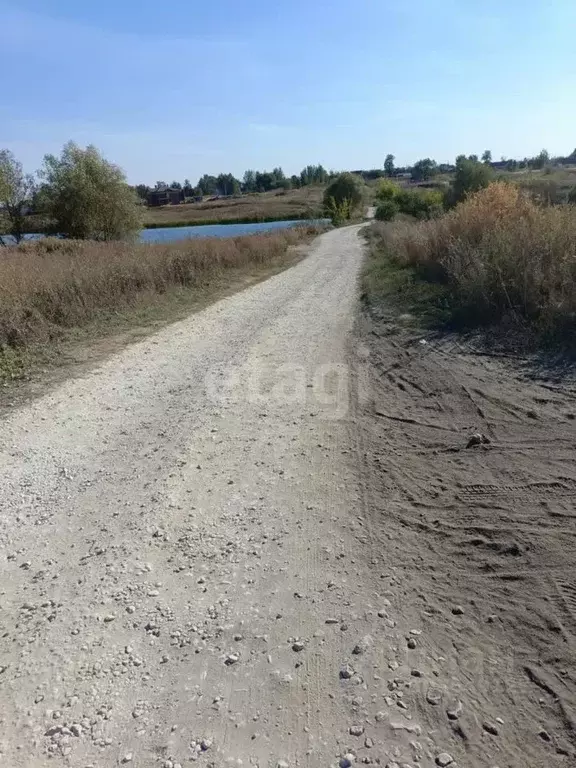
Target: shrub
339, 213
387, 190
470, 177
343, 195
420, 203
499, 255
572, 196
387, 210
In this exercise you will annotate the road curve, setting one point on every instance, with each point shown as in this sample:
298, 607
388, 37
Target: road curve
181, 577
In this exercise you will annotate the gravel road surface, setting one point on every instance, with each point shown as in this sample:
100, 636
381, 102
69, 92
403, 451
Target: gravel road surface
269, 537
181, 575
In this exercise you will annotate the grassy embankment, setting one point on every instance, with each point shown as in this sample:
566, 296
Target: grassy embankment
53, 292
305, 203
497, 260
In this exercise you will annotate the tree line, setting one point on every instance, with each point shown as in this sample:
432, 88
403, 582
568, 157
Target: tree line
226, 184
427, 168
470, 175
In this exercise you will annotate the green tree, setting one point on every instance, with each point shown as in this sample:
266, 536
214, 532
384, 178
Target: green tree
142, 191
249, 181
424, 169
342, 196
86, 197
470, 176
226, 184
16, 193
264, 181
542, 159
208, 185
295, 181
313, 174
487, 156
187, 188
389, 165
279, 177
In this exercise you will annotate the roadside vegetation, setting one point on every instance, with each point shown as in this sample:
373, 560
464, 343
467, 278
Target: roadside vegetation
52, 287
343, 198
498, 257
392, 199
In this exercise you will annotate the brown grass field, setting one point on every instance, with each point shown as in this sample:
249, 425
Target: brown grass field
294, 204
497, 257
51, 286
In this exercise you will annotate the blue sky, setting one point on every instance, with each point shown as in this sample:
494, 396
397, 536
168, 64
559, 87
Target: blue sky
177, 89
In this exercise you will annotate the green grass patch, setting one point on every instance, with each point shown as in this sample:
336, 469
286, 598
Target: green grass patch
391, 287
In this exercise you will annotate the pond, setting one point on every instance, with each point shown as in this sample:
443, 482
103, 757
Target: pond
172, 234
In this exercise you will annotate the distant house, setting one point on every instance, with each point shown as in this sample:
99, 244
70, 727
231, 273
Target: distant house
167, 196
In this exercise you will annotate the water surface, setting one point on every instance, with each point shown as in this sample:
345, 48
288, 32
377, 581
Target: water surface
172, 234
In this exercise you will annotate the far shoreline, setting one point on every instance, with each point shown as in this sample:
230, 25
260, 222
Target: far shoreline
239, 220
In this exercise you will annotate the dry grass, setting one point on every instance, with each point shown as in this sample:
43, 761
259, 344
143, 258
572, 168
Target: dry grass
52, 285
498, 255
296, 203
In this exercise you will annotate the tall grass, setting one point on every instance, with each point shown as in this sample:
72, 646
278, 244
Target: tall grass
498, 255
51, 285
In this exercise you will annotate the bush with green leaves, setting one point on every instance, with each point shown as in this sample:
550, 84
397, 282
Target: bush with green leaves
342, 197
339, 213
387, 190
85, 197
421, 203
471, 176
418, 202
387, 210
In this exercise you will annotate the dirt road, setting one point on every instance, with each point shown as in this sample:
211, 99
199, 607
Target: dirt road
258, 538
180, 578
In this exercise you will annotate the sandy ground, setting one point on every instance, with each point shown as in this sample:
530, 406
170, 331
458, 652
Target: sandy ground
482, 538
257, 538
